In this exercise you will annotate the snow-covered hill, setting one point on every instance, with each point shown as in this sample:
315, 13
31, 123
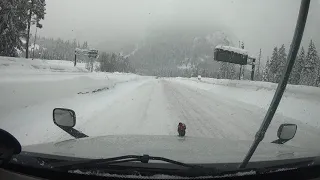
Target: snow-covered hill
176, 50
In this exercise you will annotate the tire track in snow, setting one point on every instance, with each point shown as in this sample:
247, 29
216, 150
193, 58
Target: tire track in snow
191, 113
240, 120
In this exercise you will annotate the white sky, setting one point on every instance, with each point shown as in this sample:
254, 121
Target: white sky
259, 23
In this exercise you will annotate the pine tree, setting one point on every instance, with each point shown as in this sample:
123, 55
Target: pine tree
85, 45
232, 71
297, 68
12, 26
282, 57
310, 71
274, 65
36, 13
266, 72
258, 73
223, 70
227, 71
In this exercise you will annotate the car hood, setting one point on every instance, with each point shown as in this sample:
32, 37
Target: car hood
185, 149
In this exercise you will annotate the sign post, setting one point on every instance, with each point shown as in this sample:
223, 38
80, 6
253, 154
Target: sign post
75, 58
236, 56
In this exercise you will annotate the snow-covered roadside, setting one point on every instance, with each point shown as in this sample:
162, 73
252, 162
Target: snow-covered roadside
33, 124
299, 102
23, 85
30, 89
11, 65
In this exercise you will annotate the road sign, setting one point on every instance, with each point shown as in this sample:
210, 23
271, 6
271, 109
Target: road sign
231, 55
93, 53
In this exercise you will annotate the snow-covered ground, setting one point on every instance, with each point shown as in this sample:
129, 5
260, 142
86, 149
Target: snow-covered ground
30, 89
298, 102
12, 66
117, 103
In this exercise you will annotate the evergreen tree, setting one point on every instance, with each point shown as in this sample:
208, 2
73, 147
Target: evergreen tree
113, 62
258, 74
297, 68
36, 13
227, 71
13, 20
274, 65
310, 71
282, 57
85, 45
266, 73
232, 71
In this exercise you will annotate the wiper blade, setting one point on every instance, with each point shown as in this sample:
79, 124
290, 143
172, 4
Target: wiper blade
95, 163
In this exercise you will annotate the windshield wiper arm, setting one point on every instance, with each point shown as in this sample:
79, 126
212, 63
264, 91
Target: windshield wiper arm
84, 164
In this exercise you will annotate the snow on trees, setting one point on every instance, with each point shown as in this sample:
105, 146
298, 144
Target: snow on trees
36, 12
16, 19
266, 72
12, 27
310, 70
273, 66
282, 57
227, 71
297, 68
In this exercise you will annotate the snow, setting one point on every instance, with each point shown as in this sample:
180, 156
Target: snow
233, 49
12, 66
28, 94
158, 176
138, 105
298, 102
34, 46
163, 176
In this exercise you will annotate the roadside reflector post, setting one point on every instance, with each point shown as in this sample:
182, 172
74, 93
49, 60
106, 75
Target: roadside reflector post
253, 68
75, 58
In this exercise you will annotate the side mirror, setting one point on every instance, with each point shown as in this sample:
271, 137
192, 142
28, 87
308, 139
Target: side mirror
64, 117
285, 133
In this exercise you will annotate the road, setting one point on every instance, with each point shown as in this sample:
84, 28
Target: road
154, 107
157, 106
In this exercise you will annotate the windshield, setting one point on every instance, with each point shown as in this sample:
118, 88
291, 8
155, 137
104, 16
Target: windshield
183, 79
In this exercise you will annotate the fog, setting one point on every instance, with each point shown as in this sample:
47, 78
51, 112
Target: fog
108, 23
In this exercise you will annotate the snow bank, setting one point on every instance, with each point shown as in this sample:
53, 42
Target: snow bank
22, 65
31, 89
298, 102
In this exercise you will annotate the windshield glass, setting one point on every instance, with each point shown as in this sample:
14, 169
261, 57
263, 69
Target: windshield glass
153, 75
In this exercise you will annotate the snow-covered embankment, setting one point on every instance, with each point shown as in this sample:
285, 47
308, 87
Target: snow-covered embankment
30, 89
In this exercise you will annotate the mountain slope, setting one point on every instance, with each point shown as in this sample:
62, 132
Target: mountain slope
177, 50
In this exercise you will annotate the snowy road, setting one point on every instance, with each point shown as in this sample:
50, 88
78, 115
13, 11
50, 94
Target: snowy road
156, 107
152, 106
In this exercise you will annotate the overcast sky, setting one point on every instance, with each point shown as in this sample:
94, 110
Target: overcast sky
259, 23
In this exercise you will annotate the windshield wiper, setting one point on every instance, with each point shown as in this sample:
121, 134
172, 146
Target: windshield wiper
95, 163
